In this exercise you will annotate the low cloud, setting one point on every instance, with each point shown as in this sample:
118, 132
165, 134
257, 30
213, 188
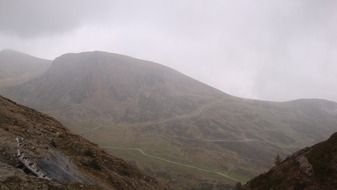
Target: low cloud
265, 49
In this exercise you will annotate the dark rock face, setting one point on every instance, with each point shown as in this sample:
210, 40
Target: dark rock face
313, 168
60, 154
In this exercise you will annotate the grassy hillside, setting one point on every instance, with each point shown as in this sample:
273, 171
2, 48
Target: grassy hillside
69, 161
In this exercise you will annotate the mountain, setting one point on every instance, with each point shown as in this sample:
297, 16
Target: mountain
172, 126
312, 168
65, 160
118, 88
16, 67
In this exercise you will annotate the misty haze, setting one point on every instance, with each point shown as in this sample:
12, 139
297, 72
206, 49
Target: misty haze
161, 95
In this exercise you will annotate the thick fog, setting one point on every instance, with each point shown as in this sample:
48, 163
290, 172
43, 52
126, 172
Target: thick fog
265, 49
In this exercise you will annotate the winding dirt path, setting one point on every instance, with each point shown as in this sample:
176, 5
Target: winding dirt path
141, 151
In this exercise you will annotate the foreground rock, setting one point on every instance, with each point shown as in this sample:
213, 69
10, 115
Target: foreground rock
313, 168
69, 161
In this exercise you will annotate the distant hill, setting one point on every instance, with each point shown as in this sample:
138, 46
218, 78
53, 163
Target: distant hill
313, 168
172, 126
68, 160
16, 67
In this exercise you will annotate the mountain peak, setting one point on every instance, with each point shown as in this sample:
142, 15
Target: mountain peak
104, 81
11, 51
101, 57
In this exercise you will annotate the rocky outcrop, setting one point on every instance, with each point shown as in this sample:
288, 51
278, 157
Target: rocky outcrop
304, 165
27, 162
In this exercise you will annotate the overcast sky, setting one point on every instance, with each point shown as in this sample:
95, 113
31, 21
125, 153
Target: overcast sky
264, 49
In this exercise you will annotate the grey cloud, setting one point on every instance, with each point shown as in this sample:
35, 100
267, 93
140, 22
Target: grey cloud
44, 17
301, 61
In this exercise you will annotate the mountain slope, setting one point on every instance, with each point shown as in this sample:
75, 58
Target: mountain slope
69, 160
313, 168
173, 126
16, 67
